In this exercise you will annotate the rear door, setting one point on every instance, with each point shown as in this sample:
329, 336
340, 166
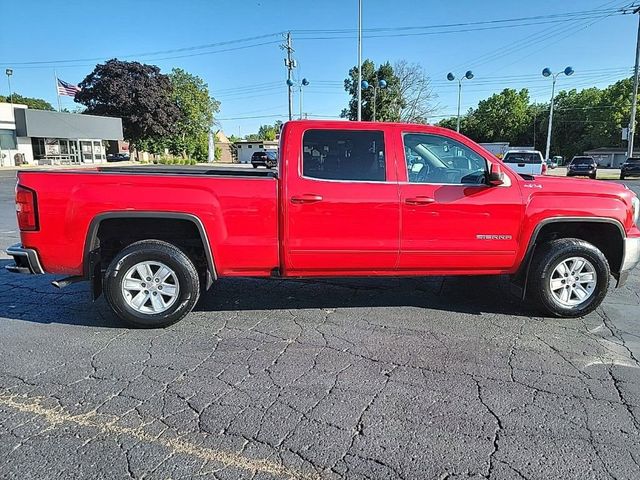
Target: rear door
341, 203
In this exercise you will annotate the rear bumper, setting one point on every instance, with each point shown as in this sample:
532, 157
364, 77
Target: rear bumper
26, 260
630, 259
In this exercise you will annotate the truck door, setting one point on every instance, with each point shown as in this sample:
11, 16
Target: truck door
451, 219
342, 213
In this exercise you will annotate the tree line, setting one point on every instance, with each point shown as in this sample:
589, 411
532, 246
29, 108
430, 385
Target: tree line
582, 120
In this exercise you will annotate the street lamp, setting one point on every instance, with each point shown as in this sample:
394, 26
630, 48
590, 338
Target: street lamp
376, 86
9, 72
303, 83
548, 73
451, 77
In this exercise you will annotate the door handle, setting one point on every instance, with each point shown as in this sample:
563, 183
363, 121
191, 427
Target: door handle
419, 200
306, 198
521, 164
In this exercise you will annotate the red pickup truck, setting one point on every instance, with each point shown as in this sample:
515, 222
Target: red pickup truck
349, 199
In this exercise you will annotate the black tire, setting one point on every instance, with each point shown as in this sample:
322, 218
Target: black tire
254, 165
152, 250
547, 257
621, 177
593, 177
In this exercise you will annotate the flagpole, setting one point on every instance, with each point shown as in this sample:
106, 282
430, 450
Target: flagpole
55, 74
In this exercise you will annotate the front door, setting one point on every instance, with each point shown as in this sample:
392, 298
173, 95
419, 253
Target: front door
342, 203
451, 219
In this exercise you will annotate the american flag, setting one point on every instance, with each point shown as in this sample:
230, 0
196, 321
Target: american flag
65, 88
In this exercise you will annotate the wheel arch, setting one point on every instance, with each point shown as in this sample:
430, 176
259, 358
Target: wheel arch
600, 235
91, 252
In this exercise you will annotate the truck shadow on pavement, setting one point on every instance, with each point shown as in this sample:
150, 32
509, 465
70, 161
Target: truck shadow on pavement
33, 299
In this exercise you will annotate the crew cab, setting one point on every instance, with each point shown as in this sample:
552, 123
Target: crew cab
348, 199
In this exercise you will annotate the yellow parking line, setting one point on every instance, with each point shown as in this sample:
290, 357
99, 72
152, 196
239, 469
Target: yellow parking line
56, 416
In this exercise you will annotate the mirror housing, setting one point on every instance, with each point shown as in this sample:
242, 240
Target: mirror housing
496, 175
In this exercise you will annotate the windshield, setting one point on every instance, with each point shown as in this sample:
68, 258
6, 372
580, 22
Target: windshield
522, 157
582, 161
633, 161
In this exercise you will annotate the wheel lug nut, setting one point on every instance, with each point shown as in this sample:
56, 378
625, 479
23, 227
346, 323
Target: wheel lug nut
155, 293
159, 287
157, 280
146, 291
148, 279
144, 285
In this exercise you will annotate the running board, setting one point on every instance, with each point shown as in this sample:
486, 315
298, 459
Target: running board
65, 282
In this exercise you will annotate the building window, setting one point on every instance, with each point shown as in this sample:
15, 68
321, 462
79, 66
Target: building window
249, 146
7, 140
239, 147
261, 146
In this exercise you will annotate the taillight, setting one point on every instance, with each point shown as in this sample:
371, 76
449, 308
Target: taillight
26, 209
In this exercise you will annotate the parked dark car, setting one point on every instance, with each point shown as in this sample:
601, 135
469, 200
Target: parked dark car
630, 168
266, 159
117, 157
582, 167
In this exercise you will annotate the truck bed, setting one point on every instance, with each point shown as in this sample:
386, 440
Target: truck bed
237, 208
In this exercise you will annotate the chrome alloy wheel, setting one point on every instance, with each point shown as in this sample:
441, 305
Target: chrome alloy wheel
573, 282
150, 287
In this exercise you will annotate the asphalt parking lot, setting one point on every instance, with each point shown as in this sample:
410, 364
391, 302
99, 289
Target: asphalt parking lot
375, 378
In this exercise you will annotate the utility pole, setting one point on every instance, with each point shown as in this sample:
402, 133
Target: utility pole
553, 97
290, 63
359, 60
634, 102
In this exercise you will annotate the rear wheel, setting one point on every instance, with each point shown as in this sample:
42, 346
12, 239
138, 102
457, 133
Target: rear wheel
569, 277
621, 176
151, 284
593, 177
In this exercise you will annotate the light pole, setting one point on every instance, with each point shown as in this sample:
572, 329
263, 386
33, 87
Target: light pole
634, 97
303, 83
379, 84
9, 72
451, 77
359, 60
548, 73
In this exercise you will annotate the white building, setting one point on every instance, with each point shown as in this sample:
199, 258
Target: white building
10, 144
246, 148
43, 137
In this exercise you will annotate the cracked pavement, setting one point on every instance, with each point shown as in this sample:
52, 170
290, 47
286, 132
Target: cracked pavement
360, 379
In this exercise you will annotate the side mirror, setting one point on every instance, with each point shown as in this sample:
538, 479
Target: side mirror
496, 175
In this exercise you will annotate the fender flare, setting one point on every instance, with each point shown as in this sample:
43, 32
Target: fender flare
88, 260
522, 275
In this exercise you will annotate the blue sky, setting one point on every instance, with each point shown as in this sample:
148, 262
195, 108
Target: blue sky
248, 78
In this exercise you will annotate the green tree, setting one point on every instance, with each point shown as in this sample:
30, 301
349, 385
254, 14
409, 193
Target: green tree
387, 100
502, 117
406, 98
197, 110
34, 103
269, 132
137, 93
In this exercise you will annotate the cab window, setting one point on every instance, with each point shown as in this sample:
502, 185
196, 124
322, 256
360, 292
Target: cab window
441, 160
356, 155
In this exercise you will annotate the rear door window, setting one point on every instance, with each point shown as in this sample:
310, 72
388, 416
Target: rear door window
525, 157
356, 155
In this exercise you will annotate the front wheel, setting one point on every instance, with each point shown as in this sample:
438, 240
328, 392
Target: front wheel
569, 277
151, 284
